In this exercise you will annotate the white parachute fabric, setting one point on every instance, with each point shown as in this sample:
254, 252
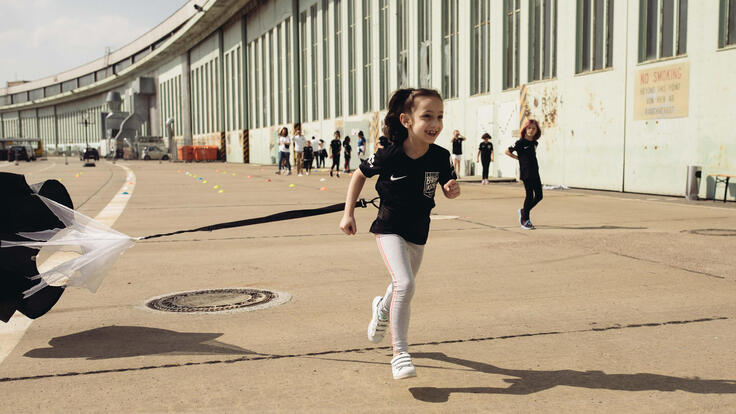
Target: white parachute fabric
96, 245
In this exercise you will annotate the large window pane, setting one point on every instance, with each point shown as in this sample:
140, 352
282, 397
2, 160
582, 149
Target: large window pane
682, 28
668, 27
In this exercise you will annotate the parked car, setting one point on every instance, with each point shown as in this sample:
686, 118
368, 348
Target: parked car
89, 154
154, 153
20, 153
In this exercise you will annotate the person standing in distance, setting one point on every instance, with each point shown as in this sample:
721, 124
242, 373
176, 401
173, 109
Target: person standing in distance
457, 150
485, 153
284, 143
315, 150
409, 168
361, 145
526, 150
298, 140
335, 148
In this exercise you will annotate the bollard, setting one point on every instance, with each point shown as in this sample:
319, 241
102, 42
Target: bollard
692, 184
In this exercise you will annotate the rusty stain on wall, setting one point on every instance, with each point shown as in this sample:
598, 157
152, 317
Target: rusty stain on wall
542, 106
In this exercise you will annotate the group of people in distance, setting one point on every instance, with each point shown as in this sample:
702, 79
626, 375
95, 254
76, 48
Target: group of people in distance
409, 167
308, 152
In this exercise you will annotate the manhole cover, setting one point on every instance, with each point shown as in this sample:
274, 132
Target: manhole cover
218, 300
714, 232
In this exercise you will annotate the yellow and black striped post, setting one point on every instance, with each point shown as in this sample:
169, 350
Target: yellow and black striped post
523, 107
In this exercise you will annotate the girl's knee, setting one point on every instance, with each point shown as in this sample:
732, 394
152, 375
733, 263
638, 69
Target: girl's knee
404, 287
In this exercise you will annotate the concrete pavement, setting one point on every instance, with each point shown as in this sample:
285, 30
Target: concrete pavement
618, 302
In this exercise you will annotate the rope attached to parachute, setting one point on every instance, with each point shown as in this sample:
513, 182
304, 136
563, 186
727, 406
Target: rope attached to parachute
285, 215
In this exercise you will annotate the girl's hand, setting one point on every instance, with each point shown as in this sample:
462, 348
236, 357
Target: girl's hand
451, 189
347, 225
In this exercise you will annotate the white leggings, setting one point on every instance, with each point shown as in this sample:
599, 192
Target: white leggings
402, 259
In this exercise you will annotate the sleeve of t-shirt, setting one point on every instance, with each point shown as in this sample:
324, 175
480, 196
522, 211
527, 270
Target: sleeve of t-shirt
491, 145
378, 162
447, 171
514, 147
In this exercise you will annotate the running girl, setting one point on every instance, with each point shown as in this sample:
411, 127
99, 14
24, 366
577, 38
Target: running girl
408, 168
526, 150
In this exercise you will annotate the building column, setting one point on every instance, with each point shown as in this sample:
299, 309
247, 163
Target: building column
56, 131
221, 74
244, 61
186, 100
295, 61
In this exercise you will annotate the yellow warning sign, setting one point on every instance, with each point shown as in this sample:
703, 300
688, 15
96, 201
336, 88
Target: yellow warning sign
662, 92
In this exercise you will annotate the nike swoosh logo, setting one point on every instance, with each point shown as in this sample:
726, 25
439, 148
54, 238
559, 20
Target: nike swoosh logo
397, 178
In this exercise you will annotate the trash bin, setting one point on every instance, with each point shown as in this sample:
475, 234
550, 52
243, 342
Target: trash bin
692, 185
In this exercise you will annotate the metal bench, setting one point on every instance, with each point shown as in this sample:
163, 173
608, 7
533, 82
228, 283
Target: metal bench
721, 178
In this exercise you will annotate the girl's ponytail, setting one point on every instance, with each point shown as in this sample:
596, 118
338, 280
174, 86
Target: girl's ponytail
402, 101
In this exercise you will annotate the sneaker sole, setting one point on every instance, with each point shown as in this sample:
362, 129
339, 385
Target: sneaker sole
410, 374
374, 322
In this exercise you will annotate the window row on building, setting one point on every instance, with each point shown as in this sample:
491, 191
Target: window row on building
169, 95
338, 50
324, 37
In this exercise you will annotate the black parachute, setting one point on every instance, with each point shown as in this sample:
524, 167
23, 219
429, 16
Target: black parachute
22, 211
42, 216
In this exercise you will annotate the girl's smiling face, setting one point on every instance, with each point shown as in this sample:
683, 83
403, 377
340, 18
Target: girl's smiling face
425, 121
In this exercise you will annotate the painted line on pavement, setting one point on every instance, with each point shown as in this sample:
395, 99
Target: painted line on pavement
12, 332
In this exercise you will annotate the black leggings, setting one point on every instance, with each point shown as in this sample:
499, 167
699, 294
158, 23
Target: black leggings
533, 187
485, 161
335, 161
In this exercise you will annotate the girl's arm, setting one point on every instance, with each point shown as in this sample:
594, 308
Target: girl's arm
477, 156
511, 155
491, 155
347, 224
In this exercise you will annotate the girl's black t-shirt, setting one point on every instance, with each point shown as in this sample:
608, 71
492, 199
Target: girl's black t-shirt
486, 148
308, 153
335, 145
457, 146
407, 188
348, 149
527, 152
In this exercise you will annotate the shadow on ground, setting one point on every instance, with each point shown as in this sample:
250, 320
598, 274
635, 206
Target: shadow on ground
529, 381
129, 341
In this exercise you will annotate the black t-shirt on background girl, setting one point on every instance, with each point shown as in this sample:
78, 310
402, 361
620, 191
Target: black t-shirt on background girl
457, 146
348, 149
527, 152
407, 188
308, 153
486, 148
335, 145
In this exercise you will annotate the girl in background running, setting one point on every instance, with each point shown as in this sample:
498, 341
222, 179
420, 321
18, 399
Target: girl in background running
408, 168
526, 150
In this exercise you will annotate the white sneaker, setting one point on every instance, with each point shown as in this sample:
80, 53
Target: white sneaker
402, 367
528, 225
299, 175
377, 327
